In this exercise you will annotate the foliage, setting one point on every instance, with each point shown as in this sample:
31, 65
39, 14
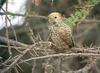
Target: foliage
80, 13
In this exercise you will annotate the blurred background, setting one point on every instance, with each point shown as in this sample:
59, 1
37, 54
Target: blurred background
32, 13
87, 33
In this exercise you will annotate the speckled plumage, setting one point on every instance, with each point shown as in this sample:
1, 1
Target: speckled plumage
60, 33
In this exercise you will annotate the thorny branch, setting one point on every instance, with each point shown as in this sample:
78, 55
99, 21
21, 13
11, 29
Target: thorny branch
23, 15
83, 52
12, 42
17, 59
60, 55
92, 62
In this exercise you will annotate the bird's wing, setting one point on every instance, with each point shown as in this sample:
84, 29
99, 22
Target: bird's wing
66, 36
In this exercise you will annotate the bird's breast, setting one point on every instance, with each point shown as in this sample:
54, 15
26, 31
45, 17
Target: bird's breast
61, 36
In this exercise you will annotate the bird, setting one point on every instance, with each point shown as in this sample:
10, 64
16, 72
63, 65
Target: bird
60, 32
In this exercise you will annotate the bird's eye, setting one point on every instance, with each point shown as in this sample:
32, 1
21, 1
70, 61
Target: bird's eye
55, 17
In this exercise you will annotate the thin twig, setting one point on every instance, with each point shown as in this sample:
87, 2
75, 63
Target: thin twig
60, 55
23, 15
17, 59
12, 42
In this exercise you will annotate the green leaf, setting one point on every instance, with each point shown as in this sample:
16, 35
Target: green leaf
80, 13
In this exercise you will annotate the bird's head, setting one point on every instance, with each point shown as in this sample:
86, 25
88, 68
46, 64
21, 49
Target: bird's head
55, 17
